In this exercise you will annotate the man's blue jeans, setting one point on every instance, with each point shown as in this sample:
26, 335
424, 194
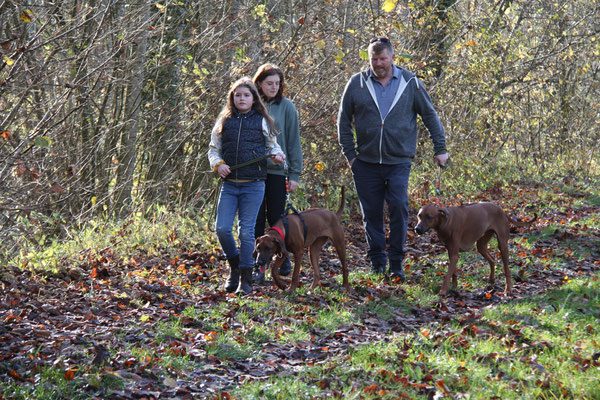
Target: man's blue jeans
376, 184
243, 199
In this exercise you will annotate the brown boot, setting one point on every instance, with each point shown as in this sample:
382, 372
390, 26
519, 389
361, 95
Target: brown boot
245, 283
233, 281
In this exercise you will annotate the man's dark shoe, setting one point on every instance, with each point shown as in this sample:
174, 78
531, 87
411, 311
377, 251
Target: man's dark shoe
378, 269
286, 267
397, 273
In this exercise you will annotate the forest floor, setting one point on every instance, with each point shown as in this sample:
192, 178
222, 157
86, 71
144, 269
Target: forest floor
162, 326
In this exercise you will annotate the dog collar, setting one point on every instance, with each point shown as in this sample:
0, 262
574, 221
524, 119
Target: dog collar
279, 231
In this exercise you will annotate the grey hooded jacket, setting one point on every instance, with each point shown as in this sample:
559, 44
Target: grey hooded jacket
392, 139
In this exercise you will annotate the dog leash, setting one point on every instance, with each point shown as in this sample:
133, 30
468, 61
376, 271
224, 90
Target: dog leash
438, 185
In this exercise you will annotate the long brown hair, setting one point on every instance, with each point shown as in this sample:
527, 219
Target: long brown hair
262, 73
257, 103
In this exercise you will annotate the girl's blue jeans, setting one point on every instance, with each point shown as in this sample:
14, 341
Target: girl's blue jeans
243, 199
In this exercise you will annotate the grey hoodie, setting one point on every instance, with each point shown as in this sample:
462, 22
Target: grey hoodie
391, 139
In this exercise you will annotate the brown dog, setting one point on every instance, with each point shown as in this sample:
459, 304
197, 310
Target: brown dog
460, 227
319, 225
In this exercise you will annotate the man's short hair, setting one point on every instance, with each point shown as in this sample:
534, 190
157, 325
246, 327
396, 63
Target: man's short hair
377, 45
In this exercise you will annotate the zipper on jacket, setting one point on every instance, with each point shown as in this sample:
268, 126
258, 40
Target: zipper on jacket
381, 143
378, 109
380, 115
237, 148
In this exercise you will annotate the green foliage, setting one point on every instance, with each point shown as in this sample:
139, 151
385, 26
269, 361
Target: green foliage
158, 231
514, 85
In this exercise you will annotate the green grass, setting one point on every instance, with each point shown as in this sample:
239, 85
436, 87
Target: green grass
160, 231
540, 347
55, 383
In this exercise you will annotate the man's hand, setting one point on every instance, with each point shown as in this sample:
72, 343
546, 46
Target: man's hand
292, 185
279, 158
442, 159
223, 170
351, 162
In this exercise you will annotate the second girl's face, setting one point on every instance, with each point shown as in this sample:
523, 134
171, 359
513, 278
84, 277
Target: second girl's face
270, 86
242, 99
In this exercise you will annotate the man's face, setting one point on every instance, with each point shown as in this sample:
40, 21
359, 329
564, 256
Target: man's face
381, 63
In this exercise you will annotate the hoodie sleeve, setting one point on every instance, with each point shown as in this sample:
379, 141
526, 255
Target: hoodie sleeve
345, 122
431, 120
293, 144
214, 147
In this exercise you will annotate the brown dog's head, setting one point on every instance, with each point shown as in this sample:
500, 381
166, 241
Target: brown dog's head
430, 217
265, 247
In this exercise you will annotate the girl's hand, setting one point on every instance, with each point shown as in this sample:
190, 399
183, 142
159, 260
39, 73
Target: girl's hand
293, 185
279, 158
223, 170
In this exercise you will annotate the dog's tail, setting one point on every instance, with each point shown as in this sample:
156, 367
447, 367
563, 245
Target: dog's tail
522, 223
343, 201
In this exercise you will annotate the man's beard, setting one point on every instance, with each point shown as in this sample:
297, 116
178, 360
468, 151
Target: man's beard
380, 72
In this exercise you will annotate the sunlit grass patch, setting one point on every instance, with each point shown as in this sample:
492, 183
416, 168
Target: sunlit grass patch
333, 317
231, 346
167, 330
281, 387
57, 383
155, 233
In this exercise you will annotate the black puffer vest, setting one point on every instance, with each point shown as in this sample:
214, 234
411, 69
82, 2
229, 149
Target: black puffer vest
242, 140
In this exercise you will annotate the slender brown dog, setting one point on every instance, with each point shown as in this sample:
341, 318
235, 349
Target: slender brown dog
460, 227
321, 225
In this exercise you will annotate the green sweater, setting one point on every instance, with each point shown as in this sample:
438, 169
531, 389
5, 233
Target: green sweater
286, 123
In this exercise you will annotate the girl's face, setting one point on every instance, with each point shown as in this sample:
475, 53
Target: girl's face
242, 99
270, 86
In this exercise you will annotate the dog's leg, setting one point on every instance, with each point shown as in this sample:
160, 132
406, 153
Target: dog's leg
341, 252
453, 260
275, 273
339, 242
455, 274
314, 253
482, 248
503, 246
296, 274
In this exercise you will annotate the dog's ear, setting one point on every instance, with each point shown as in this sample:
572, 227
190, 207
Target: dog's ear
255, 252
443, 214
281, 244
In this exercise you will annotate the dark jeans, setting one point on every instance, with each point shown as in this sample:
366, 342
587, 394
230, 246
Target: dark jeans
273, 203
376, 184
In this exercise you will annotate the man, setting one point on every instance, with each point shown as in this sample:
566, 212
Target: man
377, 130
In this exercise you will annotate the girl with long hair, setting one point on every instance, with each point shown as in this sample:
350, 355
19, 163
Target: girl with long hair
270, 83
243, 134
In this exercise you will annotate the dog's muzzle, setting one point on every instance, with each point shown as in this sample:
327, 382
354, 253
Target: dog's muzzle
261, 267
261, 264
420, 229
